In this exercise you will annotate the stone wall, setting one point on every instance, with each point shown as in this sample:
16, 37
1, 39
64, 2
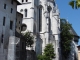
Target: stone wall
31, 55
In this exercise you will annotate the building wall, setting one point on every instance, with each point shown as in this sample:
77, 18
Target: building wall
49, 26
5, 11
5, 30
74, 51
13, 48
78, 52
19, 22
31, 55
28, 20
78, 55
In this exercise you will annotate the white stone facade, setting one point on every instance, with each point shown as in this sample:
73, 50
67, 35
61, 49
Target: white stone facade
41, 17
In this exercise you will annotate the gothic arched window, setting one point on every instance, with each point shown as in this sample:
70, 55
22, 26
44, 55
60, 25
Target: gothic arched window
40, 18
25, 12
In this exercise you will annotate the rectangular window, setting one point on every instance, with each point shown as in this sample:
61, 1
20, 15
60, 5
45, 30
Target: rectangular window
19, 28
11, 1
3, 21
2, 38
19, 22
4, 6
25, 12
54, 3
22, 0
11, 24
23, 45
11, 10
40, 19
26, 0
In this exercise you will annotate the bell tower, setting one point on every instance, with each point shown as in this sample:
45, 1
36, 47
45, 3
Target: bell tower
27, 9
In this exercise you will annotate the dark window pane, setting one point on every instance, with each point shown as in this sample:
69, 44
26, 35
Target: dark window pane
19, 22
11, 24
3, 21
4, 6
25, 12
54, 3
2, 38
40, 19
19, 28
22, 0
26, 0
16, 20
11, 1
23, 46
11, 10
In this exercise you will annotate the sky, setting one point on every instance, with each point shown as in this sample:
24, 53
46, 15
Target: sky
72, 15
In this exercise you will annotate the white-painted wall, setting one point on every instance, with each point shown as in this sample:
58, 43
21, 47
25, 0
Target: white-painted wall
30, 17
32, 21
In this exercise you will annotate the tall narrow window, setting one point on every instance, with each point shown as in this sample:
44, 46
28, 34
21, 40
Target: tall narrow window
11, 1
26, 0
40, 19
22, 0
19, 22
11, 24
4, 6
3, 21
25, 12
11, 10
54, 3
2, 38
19, 28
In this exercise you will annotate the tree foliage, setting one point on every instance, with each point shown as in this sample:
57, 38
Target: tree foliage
75, 4
48, 53
29, 39
66, 38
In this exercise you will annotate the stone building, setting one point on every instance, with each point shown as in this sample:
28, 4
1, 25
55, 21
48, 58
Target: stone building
19, 22
78, 52
73, 55
8, 11
74, 50
41, 18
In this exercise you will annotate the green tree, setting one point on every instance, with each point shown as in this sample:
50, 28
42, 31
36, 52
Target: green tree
66, 38
75, 4
48, 53
28, 39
